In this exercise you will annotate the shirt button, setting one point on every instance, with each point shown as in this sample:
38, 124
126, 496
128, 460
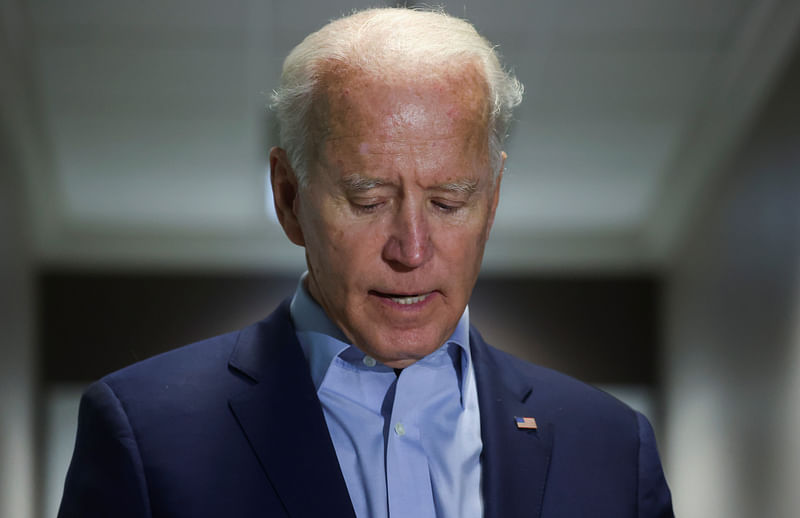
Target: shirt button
369, 361
399, 429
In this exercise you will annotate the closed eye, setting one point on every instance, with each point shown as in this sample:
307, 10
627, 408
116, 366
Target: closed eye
445, 206
366, 208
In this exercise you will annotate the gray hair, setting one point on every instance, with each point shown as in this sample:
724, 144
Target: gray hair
383, 41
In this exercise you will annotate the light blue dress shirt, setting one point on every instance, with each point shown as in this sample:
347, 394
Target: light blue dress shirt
408, 446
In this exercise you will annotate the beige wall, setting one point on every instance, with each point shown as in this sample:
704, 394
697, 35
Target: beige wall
732, 369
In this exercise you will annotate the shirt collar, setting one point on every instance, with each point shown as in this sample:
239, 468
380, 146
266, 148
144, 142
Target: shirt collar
322, 341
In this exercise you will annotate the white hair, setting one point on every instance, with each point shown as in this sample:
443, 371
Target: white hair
383, 42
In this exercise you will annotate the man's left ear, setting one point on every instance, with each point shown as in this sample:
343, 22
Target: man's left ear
285, 193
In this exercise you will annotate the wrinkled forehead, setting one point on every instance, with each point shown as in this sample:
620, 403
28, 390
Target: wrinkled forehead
446, 103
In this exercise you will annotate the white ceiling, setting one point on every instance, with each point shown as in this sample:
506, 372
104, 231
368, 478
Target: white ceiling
151, 133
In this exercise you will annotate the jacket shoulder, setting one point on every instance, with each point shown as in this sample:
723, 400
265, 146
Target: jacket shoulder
198, 359
602, 449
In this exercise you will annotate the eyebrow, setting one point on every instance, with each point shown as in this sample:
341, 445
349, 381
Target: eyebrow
360, 183
461, 187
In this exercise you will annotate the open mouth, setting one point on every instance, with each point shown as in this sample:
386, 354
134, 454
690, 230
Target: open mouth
403, 300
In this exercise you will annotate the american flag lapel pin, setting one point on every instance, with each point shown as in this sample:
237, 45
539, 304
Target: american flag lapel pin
525, 423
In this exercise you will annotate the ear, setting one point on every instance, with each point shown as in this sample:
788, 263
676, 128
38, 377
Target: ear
285, 194
496, 193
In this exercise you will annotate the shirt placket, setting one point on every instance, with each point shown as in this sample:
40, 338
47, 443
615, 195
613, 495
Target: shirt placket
408, 480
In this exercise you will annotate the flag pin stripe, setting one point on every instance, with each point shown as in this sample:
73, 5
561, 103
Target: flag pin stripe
525, 423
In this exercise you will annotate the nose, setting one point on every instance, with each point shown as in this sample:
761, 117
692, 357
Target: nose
409, 243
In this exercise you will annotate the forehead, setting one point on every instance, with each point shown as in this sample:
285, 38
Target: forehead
451, 103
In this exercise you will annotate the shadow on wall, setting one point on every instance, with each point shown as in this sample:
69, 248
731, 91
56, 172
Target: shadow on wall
599, 329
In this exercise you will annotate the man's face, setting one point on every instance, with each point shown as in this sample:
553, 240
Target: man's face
397, 210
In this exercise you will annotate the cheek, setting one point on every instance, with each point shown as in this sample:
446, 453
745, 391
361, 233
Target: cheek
462, 245
460, 248
320, 227
345, 250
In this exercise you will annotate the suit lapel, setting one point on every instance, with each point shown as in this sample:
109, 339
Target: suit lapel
283, 420
514, 461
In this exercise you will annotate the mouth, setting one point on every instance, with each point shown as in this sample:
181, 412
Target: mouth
403, 300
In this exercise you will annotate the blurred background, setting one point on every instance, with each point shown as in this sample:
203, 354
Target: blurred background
647, 240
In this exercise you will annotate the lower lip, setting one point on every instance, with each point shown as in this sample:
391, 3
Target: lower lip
419, 303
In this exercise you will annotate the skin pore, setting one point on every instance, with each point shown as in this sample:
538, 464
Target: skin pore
398, 206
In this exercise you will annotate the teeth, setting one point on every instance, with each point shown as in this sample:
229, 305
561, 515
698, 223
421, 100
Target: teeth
410, 300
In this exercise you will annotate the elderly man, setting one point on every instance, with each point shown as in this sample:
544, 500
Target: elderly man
369, 394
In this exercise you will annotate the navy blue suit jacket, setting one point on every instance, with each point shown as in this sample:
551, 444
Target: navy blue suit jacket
232, 426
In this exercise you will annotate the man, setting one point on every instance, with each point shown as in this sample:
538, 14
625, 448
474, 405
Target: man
369, 394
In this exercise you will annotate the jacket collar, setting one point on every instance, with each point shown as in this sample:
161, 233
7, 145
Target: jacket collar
514, 461
282, 419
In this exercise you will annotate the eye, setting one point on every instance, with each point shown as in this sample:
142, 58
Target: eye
445, 206
366, 207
